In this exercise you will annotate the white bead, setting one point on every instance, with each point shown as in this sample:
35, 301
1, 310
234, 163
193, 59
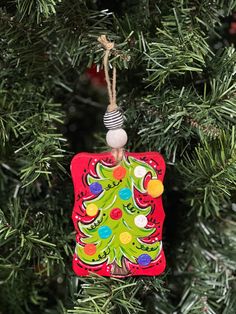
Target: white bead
139, 171
116, 138
140, 221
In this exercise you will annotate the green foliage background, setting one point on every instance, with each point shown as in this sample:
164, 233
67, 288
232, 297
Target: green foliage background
176, 84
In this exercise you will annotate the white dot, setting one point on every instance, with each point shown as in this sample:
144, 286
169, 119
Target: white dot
154, 166
150, 161
156, 238
140, 221
95, 159
139, 171
76, 217
93, 163
76, 259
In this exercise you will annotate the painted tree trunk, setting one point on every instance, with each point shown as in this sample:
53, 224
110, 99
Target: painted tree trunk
120, 271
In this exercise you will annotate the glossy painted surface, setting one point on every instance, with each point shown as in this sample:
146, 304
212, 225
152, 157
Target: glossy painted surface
118, 214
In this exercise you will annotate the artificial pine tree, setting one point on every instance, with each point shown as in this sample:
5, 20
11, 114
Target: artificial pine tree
176, 85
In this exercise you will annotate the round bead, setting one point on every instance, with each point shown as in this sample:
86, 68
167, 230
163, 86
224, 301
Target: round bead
119, 173
104, 232
139, 171
90, 249
144, 260
113, 120
125, 237
140, 221
116, 213
91, 210
155, 188
125, 194
95, 188
116, 138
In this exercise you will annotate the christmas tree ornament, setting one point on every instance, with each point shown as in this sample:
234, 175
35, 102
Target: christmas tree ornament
118, 213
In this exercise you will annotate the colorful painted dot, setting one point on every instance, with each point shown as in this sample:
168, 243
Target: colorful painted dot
116, 213
95, 188
104, 232
144, 260
90, 249
140, 221
140, 171
125, 194
119, 173
125, 237
155, 188
91, 210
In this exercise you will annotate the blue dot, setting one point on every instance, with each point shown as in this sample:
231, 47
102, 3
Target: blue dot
95, 188
144, 259
125, 194
104, 232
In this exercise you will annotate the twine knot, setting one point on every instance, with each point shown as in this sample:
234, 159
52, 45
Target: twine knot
108, 45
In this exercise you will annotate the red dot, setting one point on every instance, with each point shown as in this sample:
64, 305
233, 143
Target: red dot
116, 213
119, 173
90, 249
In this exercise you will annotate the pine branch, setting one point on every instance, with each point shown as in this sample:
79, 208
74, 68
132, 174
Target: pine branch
42, 143
180, 115
45, 44
210, 268
209, 174
180, 49
105, 295
36, 9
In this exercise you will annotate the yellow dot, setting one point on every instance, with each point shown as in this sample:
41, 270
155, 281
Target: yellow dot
92, 210
155, 188
125, 237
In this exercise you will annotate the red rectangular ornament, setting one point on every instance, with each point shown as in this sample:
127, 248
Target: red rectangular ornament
118, 214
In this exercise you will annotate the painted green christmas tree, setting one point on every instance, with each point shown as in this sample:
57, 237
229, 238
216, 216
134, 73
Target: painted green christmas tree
116, 233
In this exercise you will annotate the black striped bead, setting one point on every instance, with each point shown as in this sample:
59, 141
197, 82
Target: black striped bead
113, 120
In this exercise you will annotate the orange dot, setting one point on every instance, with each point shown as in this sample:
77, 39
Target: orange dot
90, 249
119, 173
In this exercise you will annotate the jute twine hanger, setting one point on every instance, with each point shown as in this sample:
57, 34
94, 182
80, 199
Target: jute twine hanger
111, 88
107, 45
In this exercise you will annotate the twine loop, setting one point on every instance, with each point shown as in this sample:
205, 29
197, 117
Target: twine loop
111, 88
